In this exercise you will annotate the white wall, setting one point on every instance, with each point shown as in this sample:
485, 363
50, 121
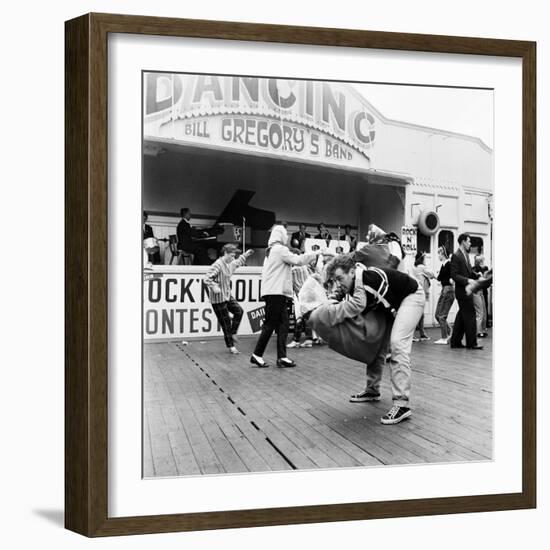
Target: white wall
433, 157
32, 297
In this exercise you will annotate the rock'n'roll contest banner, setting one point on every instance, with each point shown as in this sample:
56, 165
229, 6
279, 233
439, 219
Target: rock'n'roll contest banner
176, 304
321, 122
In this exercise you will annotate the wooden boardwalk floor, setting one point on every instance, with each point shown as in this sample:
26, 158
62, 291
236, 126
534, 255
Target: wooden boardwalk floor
208, 412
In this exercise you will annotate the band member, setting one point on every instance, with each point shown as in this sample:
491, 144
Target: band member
297, 239
154, 258
447, 296
187, 236
462, 274
218, 281
323, 233
402, 298
352, 239
147, 229
276, 291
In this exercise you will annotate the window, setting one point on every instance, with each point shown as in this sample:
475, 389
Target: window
477, 245
423, 243
446, 238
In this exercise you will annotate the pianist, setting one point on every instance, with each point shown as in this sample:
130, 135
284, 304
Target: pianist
189, 239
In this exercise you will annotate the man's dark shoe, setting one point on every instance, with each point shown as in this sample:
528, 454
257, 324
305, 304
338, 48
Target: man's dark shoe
457, 346
364, 396
477, 346
396, 414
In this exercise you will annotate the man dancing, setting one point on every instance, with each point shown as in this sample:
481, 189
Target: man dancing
402, 299
218, 281
463, 275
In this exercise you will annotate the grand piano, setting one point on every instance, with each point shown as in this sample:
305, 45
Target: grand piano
228, 226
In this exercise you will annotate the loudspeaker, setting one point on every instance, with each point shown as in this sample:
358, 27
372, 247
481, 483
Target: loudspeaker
428, 222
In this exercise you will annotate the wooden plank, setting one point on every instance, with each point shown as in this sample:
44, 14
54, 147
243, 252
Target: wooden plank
337, 447
248, 427
305, 414
206, 458
279, 396
386, 428
253, 395
148, 463
246, 451
182, 451
228, 458
163, 459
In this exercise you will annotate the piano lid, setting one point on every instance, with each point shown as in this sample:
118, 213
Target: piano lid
238, 207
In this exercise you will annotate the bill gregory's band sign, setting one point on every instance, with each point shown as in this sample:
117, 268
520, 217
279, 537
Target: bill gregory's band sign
313, 121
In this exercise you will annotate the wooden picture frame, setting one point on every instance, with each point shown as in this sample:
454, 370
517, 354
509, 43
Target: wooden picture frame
86, 281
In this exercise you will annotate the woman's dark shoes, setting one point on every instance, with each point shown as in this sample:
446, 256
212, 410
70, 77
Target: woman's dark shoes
285, 362
257, 362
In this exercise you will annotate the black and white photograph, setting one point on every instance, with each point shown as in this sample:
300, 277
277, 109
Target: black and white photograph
317, 274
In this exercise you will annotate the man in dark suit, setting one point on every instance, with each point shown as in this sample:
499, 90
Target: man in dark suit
186, 238
297, 239
463, 275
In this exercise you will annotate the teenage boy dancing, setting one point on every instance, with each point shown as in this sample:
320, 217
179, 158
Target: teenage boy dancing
402, 299
218, 281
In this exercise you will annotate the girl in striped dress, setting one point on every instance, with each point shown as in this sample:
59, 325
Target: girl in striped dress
218, 279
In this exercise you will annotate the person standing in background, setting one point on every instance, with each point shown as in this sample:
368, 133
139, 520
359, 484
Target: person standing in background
447, 296
423, 275
480, 301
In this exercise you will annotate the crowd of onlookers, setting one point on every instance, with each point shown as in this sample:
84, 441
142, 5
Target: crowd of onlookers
455, 275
